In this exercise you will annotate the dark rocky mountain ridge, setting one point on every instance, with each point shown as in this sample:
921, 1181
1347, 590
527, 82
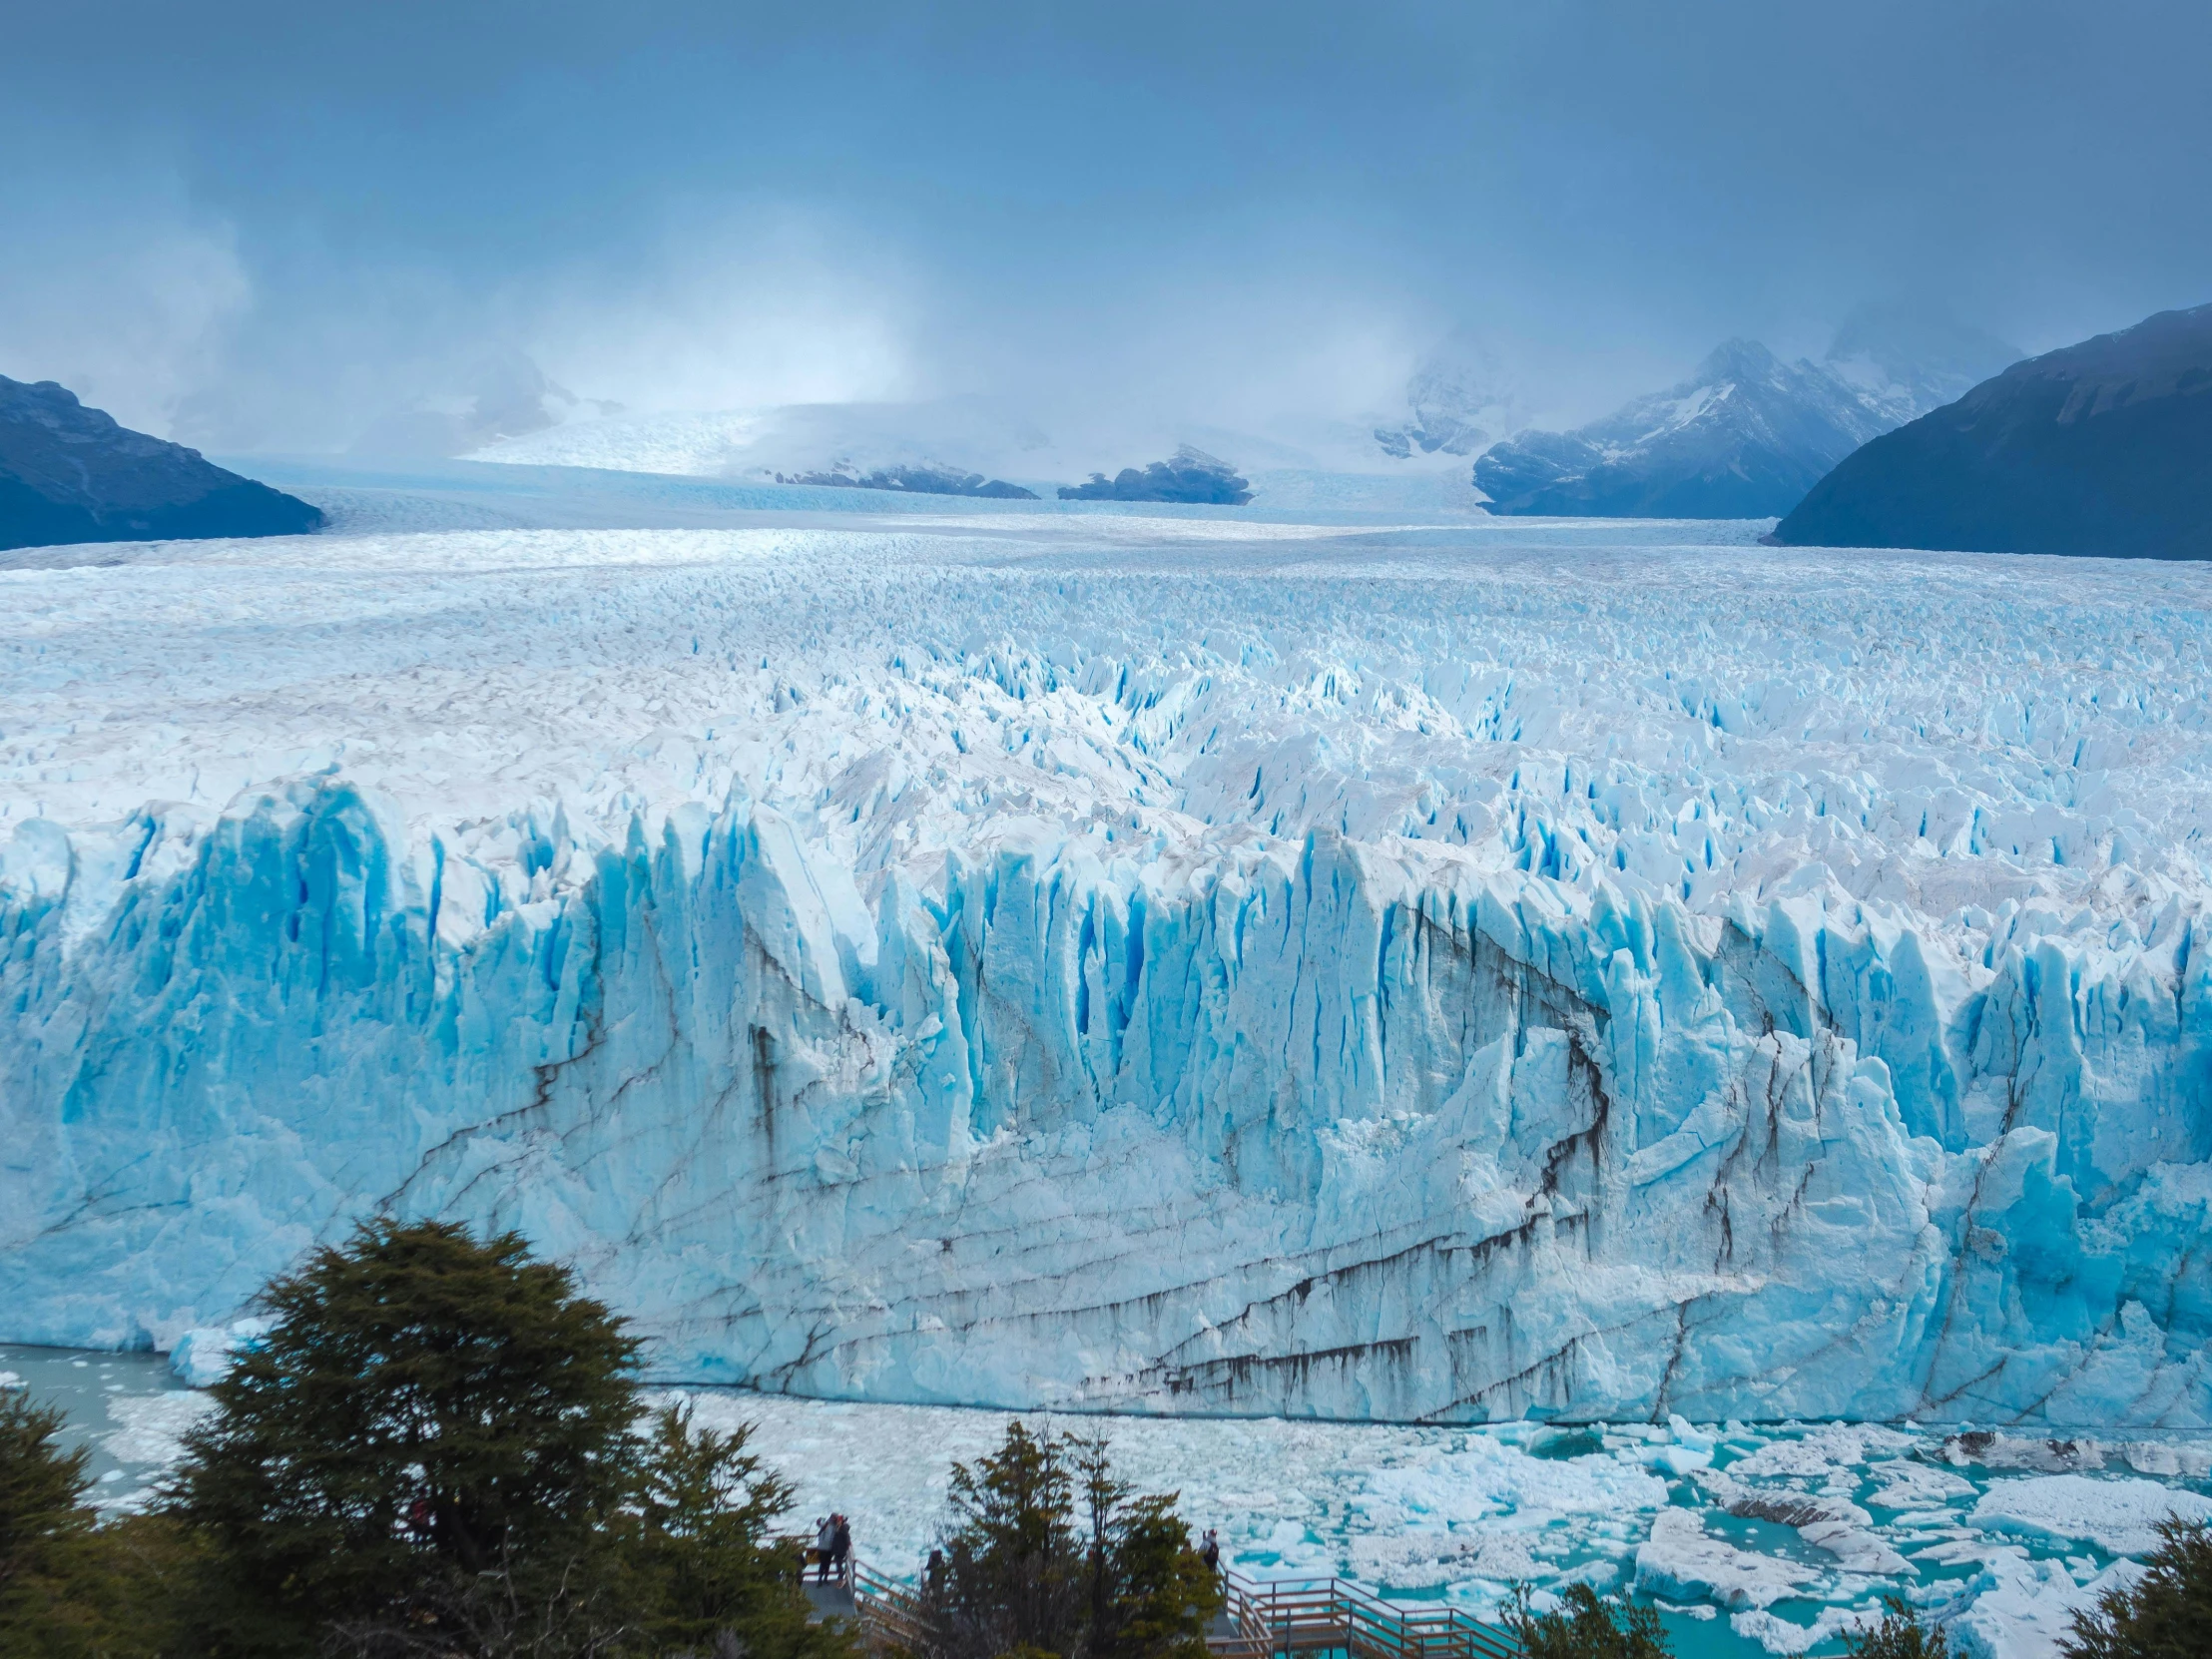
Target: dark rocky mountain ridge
69, 473
2101, 448
1189, 476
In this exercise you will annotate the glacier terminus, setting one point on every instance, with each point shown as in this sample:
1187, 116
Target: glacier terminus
1074, 959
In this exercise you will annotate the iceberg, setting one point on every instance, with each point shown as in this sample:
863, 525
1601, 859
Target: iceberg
1160, 966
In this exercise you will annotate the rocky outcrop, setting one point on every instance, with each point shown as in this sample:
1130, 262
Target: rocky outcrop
72, 474
1191, 476
2102, 448
914, 480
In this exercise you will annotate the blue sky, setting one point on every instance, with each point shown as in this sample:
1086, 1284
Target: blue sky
261, 224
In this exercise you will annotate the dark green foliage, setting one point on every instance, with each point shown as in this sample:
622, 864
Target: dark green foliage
1150, 1595
702, 1549
69, 1587
1587, 1627
1013, 1565
426, 1409
1020, 1579
1900, 1635
432, 1457
2168, 1612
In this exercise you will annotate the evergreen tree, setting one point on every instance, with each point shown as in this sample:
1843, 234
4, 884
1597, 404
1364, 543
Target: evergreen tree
1020, 1579
1013, 1566
1900, 1635
1151, 1596
2165, 1614
1589, 1626
432, 1456
71, 1588
702, 1543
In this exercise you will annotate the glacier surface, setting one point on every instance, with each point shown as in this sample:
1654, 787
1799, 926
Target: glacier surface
1428, 973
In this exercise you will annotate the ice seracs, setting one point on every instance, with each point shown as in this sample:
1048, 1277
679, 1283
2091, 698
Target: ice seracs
1172, 965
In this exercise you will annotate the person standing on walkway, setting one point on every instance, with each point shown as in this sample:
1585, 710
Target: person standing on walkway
1209, 1551
840, 1546
826, 1537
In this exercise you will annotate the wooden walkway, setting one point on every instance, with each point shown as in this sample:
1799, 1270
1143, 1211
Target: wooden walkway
1278, 1618
1331, 1618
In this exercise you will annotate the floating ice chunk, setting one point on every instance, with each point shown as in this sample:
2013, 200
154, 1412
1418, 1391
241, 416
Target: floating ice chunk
2020, 1609
1908, 1484
1680, 1561
2118, 1516
1779, 1635
203, 1356
152, 1426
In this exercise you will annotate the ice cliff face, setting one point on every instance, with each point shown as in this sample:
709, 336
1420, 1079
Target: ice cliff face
1166, 966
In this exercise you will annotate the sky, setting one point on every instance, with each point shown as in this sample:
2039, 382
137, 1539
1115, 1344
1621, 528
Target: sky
259, 226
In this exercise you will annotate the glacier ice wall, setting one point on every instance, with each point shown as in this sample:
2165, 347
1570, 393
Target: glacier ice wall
1132, 967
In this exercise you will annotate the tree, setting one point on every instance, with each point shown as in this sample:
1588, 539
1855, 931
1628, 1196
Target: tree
2165, 1614
71, 1588
702, 1542
1900, 1635
433, 1454
1151, 1596
1587, 1627
1020, 1579
1013, 1577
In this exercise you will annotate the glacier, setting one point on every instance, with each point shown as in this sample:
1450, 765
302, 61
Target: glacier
1439, 971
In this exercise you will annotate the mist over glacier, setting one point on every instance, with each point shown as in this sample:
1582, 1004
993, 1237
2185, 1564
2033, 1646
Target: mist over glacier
1158, 963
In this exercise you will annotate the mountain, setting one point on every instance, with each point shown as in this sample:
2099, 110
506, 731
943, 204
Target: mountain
1459, 399
1744, 438
915, 480
1907, 358
956, 436
71, 474
1189, 476
506, 396
2101, 448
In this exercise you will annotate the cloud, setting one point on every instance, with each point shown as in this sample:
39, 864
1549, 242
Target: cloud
132, 308
731, 305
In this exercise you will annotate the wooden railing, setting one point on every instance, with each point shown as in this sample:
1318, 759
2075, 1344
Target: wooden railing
891, 1614
1274, 1619
1265, 1620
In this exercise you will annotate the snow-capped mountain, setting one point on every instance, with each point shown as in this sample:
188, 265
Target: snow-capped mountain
1459, 399
1907, 358
1747, 434
1744, 438
954, 435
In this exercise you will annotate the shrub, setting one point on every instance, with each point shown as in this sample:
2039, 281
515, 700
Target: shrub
1900, 1635
1589, 1626
2165, 1614
71, 1587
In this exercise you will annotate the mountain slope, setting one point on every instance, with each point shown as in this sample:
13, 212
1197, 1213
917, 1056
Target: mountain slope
2101, 448
72, 474
1744, 438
